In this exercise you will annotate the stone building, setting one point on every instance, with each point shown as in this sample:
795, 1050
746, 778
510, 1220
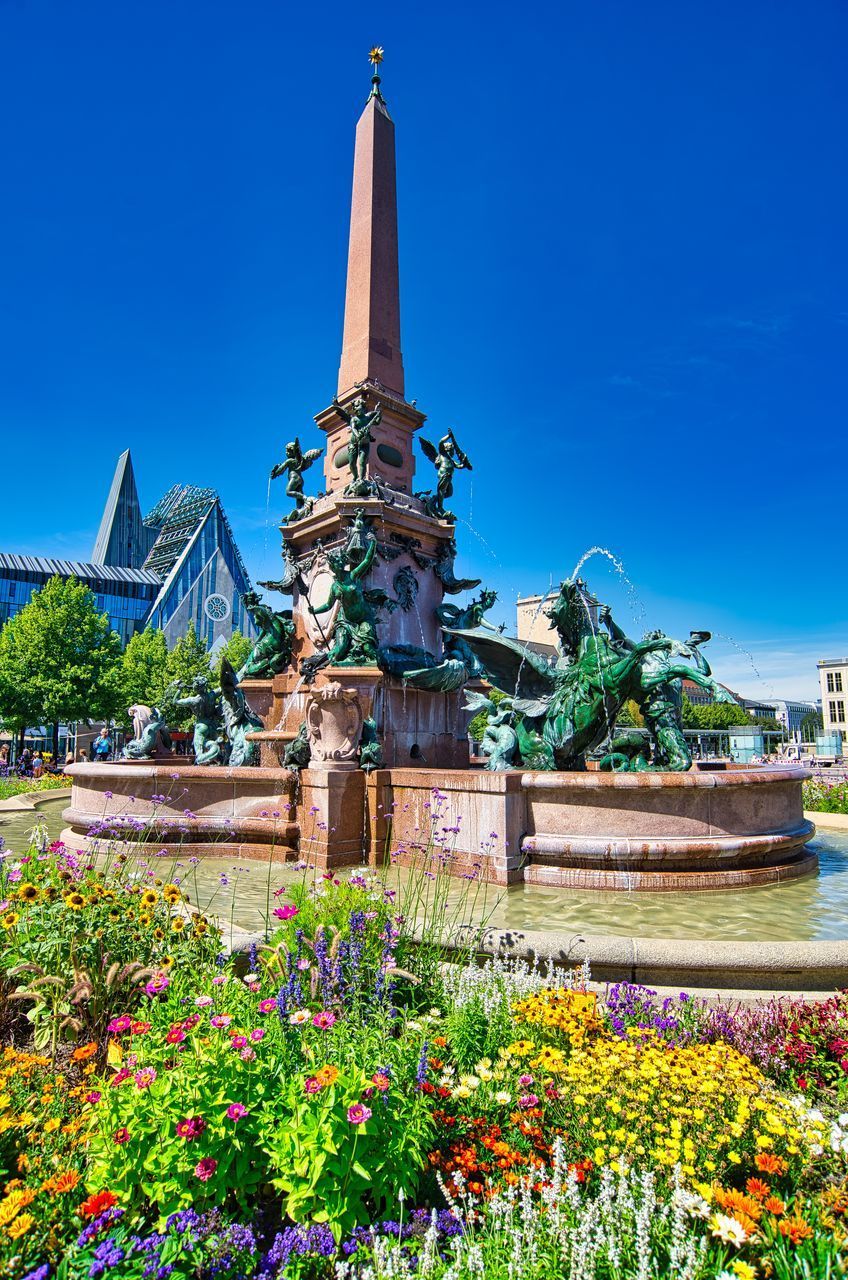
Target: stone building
833, 678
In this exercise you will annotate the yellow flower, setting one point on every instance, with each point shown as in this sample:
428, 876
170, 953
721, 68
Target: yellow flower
75, 901
172, 893
743, 1270
148, 898
9, 919
20, 1226
28, 892
177, 924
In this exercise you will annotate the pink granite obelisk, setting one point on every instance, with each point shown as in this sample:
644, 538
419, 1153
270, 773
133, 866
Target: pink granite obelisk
371, 343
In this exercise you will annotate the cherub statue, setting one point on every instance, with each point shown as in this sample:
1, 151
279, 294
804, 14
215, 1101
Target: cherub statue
295, 463
271, 653
360, 439
447, 458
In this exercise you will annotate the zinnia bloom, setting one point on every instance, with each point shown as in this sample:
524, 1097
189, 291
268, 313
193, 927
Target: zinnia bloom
191, 1127
145, 1077
325, 1019
311, 1085
267, 1006
84, 1052
287, 912
121, 1136
205, 1168
220, 1020
236, 1110
327, 1075
298, 1017
358, 1114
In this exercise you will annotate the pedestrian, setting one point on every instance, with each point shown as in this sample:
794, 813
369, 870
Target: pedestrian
102, 746
4, 759
37, 764
25, 763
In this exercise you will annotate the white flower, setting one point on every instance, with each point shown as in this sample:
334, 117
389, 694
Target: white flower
842, 1120
298, 1017
727, 1229
696, 1206
504, 1098
414, 1026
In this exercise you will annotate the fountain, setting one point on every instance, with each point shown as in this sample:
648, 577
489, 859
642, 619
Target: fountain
357, 699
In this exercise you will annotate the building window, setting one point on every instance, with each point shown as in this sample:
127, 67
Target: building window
837, 711
834, 681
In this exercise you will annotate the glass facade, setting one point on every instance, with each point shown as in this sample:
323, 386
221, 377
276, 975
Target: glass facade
126, 595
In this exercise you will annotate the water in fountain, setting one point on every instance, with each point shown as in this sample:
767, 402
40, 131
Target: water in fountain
586, 606
480, 538
542, 598
289, 702
720, 635
637, 608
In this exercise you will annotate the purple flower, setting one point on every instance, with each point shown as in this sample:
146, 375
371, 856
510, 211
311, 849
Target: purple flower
358, 1114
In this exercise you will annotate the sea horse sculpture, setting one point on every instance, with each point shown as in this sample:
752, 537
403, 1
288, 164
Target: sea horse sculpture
568, 707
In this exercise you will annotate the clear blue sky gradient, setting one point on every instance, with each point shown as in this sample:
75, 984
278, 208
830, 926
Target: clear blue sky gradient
623, 267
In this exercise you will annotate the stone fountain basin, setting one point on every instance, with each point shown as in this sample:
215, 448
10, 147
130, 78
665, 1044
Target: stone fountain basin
698, 830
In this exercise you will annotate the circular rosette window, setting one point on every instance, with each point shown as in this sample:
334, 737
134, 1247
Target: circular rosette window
217, 607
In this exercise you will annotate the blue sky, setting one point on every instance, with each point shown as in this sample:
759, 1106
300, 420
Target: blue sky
623, 268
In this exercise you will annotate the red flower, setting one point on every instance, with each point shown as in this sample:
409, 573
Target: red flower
175, 1034
205, 1168
97, 1203
121, 1135
191, 1127
140, 1028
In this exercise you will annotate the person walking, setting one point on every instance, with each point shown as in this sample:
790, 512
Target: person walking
102, 746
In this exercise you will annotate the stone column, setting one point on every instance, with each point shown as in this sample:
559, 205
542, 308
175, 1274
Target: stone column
332, 826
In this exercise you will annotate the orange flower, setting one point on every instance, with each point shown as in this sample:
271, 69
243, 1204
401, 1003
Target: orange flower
766, 1162
327, 1075
774, 1205
440, 1042
84, 1052
757, 1188
739, 1205
796, 1229
97, 1204
66, 1181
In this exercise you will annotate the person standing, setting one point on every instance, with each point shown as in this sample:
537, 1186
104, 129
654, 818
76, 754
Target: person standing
37, 764
102, 746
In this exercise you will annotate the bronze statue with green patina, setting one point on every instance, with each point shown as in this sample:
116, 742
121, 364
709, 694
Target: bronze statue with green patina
447, 457
295, 463
567, 707
271, 654
359, 441
354, 639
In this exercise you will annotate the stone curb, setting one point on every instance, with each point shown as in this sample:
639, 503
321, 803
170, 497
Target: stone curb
831, 821
28, 800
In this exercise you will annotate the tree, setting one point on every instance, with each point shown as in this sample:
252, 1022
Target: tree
714, 715
236, 650
188, 658
143, 674
59, 659
811, 725
630, 717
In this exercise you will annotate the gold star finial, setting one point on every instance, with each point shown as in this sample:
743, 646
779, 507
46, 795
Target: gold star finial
375, 57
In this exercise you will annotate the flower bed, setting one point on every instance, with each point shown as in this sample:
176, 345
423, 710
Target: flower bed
347, 1105
821, 796
14, 786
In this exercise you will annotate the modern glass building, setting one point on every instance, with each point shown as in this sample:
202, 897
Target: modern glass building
177, 565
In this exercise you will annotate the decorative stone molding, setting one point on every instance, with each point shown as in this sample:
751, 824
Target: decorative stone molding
334, 725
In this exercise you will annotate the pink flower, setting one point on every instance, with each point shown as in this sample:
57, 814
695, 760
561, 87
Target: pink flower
528, 1100
94, 1096
287, 912
235, 1111
357, 1114
381, 1081
205, 1168
119, 1077
157, 984
123, 1023
121, 1136
256, 1034
191, 1127
311, 1085
219, 980
325, 1019
145, 1077
267, 1006
176, 1034
238, 1042
203, 1001
220, 1020
248, 1054
525, 1081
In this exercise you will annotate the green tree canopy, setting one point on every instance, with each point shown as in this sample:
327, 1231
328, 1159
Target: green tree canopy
188, 658
811, 725
59, 659
143, 675
715, 715
236, 650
